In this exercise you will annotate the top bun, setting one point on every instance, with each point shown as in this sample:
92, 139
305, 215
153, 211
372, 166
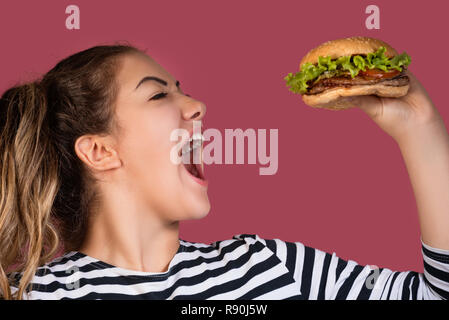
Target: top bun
347, 47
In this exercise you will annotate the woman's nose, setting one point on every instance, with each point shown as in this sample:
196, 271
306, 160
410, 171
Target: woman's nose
194, 110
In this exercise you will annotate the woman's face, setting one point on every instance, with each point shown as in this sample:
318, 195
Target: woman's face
147, 115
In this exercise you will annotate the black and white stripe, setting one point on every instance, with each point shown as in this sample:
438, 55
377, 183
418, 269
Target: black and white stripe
244, 267
325, 276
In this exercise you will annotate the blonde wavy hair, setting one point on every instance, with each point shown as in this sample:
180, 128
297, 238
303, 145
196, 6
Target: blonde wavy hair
46, 192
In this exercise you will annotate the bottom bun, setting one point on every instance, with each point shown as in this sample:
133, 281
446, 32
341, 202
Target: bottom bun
336, 98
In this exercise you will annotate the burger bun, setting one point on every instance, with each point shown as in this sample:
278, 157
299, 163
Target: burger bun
336, 98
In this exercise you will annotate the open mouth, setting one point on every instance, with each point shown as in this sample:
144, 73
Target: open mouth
191, 154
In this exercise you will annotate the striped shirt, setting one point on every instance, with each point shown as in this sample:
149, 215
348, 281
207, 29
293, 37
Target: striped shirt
244, 267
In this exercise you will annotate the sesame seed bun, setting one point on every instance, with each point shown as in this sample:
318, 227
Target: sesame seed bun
335, 98
346, 47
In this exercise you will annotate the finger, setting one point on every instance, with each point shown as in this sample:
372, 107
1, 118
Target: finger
416, 91
370, 104
415, 85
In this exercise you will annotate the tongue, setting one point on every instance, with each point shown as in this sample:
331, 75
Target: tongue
192, 169
191, 166
195, 171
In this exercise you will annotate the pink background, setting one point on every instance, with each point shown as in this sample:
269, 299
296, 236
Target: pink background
342, 185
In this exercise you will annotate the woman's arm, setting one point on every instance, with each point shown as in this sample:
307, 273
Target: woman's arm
416, 125
426, 154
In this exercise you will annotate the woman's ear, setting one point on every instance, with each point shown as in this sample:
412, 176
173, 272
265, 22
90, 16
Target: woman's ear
97, 152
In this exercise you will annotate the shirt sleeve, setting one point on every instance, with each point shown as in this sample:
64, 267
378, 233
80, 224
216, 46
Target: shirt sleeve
324, 276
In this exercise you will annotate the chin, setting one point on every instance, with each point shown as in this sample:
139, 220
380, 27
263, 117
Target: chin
200, 209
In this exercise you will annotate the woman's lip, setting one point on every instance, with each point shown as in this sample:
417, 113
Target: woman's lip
202, 182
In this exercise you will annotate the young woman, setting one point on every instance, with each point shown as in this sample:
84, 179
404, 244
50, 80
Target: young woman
85, 163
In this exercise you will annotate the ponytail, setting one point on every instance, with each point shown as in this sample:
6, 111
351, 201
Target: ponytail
28, 186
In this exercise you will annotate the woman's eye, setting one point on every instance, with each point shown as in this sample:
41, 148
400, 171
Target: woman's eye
159, 96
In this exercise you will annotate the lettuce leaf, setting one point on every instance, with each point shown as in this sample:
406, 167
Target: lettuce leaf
297, 82
327, 63
398, 61
359, 62
347, 64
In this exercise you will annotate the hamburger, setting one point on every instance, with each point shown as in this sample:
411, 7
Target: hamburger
354, 66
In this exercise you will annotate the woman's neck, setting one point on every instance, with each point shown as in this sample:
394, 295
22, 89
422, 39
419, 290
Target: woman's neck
126, 234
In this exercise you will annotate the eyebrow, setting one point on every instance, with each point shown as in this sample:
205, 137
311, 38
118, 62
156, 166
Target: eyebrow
148, 78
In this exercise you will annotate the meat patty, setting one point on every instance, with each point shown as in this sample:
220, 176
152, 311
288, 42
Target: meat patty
327, 83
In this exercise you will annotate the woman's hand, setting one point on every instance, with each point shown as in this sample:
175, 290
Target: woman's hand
400, 116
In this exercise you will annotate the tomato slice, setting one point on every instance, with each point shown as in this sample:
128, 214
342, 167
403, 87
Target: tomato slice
377, 73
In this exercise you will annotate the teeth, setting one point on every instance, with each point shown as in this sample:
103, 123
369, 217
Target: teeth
197, 136
197, 139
